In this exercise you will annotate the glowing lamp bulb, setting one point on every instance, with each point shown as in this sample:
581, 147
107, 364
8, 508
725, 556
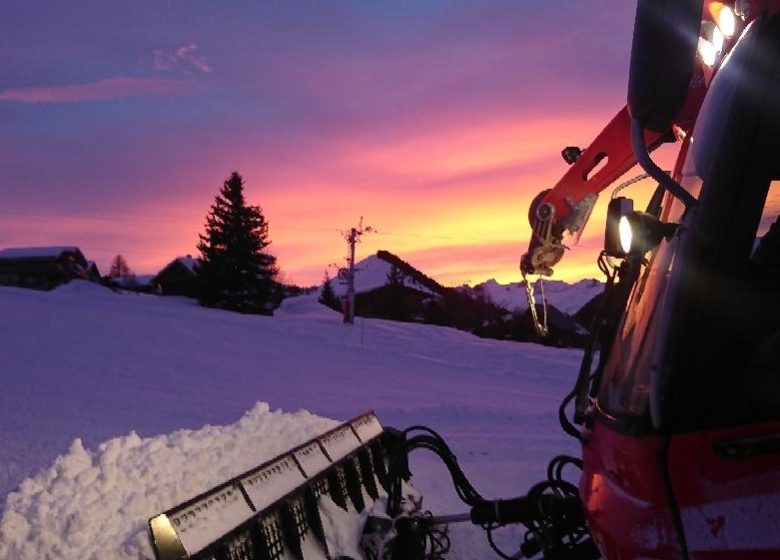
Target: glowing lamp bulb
727, 21
707, 52
624, 228
717, 39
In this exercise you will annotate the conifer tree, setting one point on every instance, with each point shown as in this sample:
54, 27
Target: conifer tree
396, 295
119, 268
327, 295
235, 273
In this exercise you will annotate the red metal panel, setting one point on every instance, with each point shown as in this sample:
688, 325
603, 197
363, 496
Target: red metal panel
613, 143
625, 498
730, 507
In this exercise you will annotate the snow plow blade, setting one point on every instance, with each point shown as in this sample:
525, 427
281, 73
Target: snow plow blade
272, 511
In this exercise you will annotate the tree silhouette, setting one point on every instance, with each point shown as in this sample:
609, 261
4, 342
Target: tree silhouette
396, 295
327, 295
119, 268
235, 273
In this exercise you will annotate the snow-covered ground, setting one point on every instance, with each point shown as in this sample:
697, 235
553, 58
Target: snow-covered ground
148, 401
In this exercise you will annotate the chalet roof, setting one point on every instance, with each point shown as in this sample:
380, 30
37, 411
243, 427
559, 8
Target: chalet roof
410, 271
186, 263
37, 252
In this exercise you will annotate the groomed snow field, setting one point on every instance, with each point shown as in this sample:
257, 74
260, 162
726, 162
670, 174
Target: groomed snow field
115, 407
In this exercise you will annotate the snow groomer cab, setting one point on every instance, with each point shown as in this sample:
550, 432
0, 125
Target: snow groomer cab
680, 418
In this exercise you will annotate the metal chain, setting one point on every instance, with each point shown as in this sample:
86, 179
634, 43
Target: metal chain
540, 326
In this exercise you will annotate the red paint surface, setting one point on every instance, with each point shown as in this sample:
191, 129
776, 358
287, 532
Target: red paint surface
623, 491
730, 508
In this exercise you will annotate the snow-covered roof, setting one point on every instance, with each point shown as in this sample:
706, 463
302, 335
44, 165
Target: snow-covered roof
189, 262
36, 252
372, 273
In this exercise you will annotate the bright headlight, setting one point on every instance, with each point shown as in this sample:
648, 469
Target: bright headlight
717, 39
624, 228
727, 21
707, 51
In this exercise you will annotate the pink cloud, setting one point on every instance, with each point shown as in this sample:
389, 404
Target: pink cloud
108, 88
163, 60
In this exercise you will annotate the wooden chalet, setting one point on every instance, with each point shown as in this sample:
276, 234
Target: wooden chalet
42, 268
178, 278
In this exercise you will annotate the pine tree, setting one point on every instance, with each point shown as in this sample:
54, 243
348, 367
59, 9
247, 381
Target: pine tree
396, 295
235, 273
119, 268
327, 295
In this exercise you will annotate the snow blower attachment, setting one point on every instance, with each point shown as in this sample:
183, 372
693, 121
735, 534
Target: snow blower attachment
346, 495
284, 509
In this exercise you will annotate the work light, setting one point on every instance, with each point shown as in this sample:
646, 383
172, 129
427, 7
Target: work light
710, 43
630, 232
616, 211
640, 232
727, 21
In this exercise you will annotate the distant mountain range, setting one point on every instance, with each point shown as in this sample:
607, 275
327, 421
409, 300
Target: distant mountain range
569, 298
388, 287
373, 273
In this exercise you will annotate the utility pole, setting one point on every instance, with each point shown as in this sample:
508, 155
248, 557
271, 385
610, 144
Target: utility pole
353, 238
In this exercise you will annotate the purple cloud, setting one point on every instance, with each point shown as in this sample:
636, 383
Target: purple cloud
108, 88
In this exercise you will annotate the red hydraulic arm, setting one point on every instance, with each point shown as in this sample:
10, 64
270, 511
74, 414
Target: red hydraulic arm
613, 146
566, 207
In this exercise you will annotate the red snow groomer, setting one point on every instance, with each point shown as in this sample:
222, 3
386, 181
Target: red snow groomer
677, 402
680, 419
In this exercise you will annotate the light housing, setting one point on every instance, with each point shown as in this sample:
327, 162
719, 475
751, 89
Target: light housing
640, 232
630, 232
617, 209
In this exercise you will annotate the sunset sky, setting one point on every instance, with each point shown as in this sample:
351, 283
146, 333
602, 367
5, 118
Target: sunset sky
436, 121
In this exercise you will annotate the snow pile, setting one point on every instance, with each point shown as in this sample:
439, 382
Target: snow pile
568, 298
372, 273
83, 288
96, 504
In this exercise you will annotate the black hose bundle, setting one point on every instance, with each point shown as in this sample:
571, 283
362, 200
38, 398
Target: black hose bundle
417, 538
551, 510
558, 529
432, 441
